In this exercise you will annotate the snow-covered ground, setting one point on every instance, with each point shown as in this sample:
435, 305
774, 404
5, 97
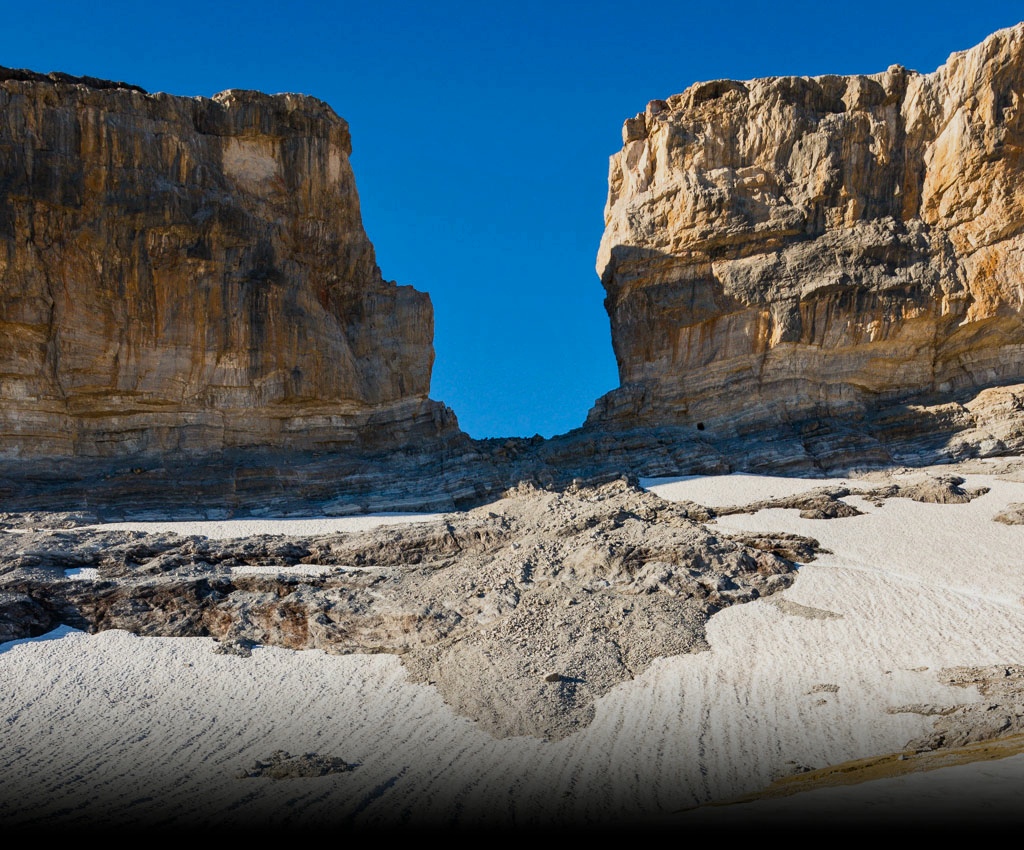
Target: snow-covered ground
158, 732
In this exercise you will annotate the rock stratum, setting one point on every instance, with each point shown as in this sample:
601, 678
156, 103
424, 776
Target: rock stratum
182, 275
798, 248
803, 275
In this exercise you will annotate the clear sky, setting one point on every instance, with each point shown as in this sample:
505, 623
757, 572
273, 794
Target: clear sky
481, 135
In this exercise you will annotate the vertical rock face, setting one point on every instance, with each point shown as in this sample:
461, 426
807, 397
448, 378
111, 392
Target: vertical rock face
193, 274
795, 246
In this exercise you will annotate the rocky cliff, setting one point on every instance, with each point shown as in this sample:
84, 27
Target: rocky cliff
811, 275
192, 275
798, 248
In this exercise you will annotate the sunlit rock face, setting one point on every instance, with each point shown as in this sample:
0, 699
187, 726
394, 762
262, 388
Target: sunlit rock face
791, 247
192, 274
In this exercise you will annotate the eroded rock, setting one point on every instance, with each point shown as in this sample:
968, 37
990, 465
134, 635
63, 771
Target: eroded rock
800, 248
283, 765
1013, 515
829, 502
521, 612
998, 715
184, 274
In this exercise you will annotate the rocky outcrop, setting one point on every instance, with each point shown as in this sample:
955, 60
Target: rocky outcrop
522, 613
804, 275
185, 275
793, 248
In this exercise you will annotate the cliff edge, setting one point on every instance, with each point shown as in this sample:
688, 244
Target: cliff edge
816, 248
191, 275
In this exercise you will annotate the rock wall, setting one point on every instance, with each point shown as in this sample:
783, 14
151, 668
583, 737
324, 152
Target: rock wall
192, 274
798, 247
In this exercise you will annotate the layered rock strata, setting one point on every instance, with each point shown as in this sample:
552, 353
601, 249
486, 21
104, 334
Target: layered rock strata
192, 275
804, 275
457, 472
795, 248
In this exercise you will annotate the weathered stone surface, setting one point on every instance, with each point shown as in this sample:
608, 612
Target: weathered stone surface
794, 287
827, 502
1000, 715
458, 472
283, 765
192, 274
796, 248
522, 612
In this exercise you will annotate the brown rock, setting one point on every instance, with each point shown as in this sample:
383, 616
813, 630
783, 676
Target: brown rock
794, 247
192, 274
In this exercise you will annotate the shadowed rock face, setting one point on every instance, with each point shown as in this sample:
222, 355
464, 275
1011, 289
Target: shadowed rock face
192, 274
792, 246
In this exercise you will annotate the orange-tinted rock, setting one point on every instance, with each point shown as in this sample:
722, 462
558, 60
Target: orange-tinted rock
795, 247
192, 274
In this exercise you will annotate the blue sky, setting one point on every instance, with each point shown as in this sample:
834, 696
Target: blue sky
481, 136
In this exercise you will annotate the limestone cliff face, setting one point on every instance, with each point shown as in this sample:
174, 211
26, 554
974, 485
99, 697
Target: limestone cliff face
792, 246
189, 273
